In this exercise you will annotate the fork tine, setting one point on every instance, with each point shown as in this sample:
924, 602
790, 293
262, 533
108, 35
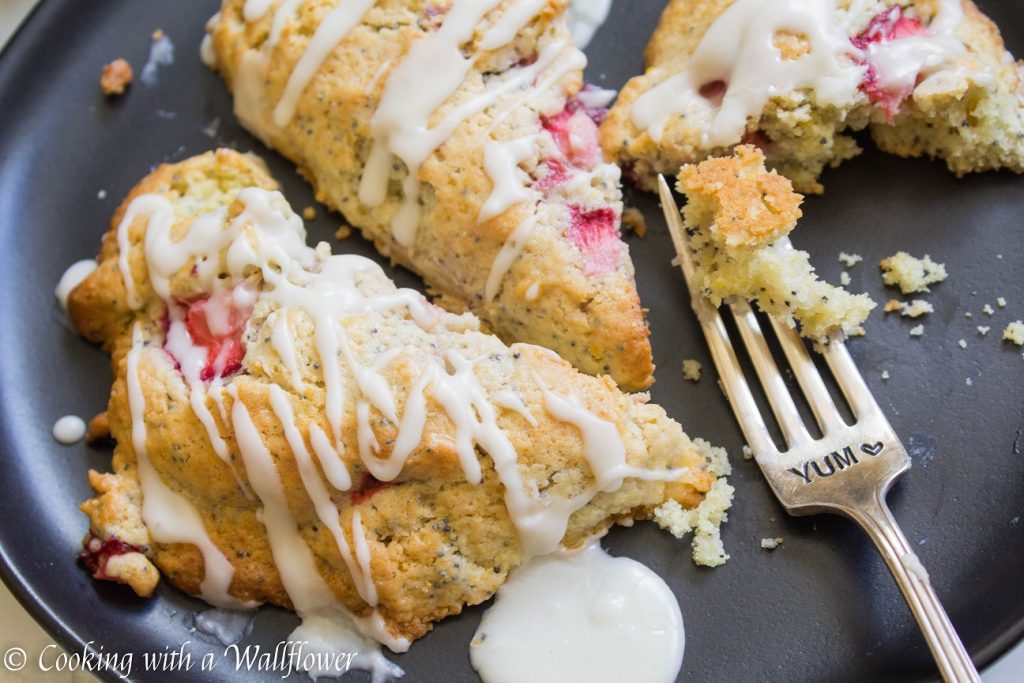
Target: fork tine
722, 352
857, 394
775, 388
807, 375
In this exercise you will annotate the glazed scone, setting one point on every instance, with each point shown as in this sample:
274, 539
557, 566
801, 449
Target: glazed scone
456, 136
928, 77
293, 429
738, 215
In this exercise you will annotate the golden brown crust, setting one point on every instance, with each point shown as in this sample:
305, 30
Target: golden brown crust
594, 321
436, 542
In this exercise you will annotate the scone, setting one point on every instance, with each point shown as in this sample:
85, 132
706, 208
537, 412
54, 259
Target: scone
927, 77
738, 215
293, 429
457, 136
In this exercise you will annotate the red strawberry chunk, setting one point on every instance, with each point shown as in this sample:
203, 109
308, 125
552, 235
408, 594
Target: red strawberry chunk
888, 25
575, 133
555, 174
368, 487
217, 324
596, 234
96, 553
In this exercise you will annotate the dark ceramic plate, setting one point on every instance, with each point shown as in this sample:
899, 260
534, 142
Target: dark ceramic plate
821, 608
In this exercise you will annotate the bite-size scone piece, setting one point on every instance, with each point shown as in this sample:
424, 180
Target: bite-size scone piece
928, 77
738, 215
291, 428
457, 135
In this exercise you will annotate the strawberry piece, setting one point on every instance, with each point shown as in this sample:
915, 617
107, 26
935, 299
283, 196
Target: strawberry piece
224, 347
888, 25
368, 487
575, 133
556, 174
596, 234
96, 553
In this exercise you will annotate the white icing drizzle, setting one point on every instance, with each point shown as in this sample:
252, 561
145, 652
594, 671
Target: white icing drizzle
585, 17
501, 163
514, 402
72, 277
311, 597
334, 467
283, 344
558, 618
253, 10
516, 16
69, 429
169, 516
738, 49
160, 214
507, 255
326, 510
332, 29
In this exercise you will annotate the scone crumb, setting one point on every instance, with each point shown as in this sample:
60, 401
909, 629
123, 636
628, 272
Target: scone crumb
691, 370
747, 453
850, 260
309, 213
983, 329
99, 428
917, 331
892, 305
158, 34
911, 274
1014, 332
969, 382
844, 279
916, 308
343, 233
771, 543
885, 374
633, 220
116, 77
988, 310
962, 343
704, 521
1001, 302
716, 458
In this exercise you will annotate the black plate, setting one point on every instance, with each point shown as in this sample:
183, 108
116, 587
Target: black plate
821, 608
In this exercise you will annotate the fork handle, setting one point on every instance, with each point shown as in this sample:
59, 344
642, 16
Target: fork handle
954, 663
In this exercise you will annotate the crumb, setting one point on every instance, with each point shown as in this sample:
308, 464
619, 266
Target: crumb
117, 76
850, 260
1014, 332
885, 374
747, 453
691, 370
916, 308
633, 220
892, 305
999, 256
102, 194
988, 310
99, 428
704, 521
343, 233
309, 213
983, 329
158, 34
962, 343
911, 274
917, 331
970, 382
715, 457
844, 279
1001, 302
968, 314
771, 543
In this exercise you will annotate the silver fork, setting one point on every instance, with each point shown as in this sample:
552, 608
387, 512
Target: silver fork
848, 471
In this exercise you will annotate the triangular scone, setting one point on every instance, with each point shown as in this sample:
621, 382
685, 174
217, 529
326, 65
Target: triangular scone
456, 136
293, 429
928, 77
738, 215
